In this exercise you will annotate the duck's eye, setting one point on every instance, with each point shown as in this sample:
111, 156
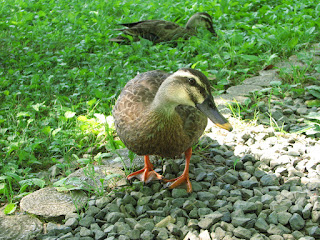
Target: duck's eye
192, 81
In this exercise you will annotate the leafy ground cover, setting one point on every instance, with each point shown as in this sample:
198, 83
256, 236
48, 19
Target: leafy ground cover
59, 75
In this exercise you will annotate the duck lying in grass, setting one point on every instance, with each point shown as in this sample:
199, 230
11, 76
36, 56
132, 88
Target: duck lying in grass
164, 31
164, 114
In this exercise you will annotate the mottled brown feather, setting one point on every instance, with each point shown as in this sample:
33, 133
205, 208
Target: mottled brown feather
147, 132
160, 30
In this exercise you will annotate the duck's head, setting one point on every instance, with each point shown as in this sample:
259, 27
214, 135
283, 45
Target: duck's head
191, 87
201, 19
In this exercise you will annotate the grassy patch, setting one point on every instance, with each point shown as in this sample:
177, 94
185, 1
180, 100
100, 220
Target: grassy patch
59, 75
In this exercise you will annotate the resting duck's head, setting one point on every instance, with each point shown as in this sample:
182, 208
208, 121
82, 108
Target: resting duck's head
201, 19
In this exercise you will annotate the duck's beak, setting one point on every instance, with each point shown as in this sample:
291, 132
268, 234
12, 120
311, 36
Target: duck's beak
211, 29
208, 108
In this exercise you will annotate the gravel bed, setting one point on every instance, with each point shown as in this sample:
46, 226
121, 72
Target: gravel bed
289, 110
252, 183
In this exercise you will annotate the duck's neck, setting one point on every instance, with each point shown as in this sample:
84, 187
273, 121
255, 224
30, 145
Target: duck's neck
191, 25
163, 104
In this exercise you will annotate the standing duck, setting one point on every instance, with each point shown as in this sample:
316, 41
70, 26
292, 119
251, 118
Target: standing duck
164, 31
164, 114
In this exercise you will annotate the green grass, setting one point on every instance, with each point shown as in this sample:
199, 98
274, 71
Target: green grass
59, 75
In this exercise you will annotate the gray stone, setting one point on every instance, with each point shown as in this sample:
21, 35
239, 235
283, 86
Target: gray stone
276, 114
92, 210
275, 237
71, 222
218, 233
269, 180
242, 232
85, 232
179, 193
249, 184
275, 230
113, 217
203, 196
219, 204
314, 231
278, 207
273, 218
163, 234
229, 178
102, 202
122, 228
267, 199
66, 236
147, 224
147, 235
174, 229
261, 225
204, 211
244, 176
302, 111
86, 221
209, 220
99, 235
144, 200
55, 229
245, 206
243, 222
200, 176
296, 222
306, 212
284, 217
164, 222
133, 234
156, 213
127, 199
258, 236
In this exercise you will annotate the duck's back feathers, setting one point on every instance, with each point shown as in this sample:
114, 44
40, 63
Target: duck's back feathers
152, 30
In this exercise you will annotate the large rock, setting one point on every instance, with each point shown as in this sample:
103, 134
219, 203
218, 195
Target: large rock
19, 227
48, 202
89, 178
262, 81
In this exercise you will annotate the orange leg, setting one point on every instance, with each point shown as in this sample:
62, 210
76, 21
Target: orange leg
147, 173
184, 178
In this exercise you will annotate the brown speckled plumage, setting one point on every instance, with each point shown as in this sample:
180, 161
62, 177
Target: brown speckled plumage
164, 31
164, 114
147, 132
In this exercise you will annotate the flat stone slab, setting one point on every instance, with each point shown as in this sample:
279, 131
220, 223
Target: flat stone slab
48, 202
121, 158
90, 177
263, 81
224, 99
19, 227
243, 89
292, 62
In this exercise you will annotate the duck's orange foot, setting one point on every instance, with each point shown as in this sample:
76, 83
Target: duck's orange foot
145, 175
184, 178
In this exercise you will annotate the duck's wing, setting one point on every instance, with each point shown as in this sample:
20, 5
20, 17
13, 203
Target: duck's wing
137, 95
